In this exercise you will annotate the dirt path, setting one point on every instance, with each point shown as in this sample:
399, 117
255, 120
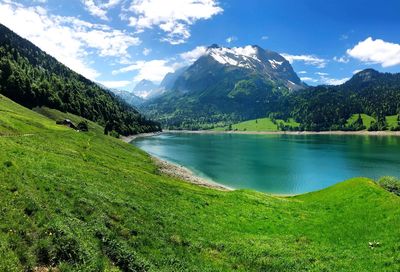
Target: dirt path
16, 135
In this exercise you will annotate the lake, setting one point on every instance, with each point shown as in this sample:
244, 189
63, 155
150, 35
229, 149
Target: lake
282, 164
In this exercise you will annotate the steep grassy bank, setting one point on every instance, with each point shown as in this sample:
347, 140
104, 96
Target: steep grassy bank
87, 202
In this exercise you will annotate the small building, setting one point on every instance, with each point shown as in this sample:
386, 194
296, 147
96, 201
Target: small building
66, 122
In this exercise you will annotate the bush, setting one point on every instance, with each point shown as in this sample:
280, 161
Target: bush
83, 126
390, 184
114, 134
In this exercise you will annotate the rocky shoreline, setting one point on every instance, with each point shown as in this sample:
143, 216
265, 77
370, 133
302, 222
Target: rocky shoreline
175, 170
181, 172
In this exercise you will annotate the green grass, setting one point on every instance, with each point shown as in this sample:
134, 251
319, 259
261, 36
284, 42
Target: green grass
89, 202
57, 115
392, 121
366, 119
261, 124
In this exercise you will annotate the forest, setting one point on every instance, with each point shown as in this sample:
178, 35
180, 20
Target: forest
32, 78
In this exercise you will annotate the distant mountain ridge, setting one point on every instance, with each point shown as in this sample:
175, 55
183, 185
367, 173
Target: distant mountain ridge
146, 89
33, 78
328, 107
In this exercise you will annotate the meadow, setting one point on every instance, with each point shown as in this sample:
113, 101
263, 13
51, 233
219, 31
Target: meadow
75, 201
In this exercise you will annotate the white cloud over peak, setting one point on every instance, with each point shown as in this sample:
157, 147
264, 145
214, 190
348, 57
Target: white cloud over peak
68, 39
174, 17
376, 51
153, 70
193, 55
100, 9
307, 59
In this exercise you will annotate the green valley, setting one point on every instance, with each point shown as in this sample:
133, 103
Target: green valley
88, 202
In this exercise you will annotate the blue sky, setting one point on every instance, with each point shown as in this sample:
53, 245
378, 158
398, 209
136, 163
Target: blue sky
119, 42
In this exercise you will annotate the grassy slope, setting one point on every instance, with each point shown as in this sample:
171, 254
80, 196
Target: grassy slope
265, 124
392, 121
261, 124
80, 200
366, 119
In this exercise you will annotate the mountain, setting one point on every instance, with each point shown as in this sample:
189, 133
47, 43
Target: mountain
33, 78
129, 97
225, 85
169, 80
329, 107
147, 89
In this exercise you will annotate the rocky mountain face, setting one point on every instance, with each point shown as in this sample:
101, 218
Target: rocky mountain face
224, 85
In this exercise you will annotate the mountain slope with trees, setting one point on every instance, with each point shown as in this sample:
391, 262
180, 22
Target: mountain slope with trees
329, 107
32, 78
223, 86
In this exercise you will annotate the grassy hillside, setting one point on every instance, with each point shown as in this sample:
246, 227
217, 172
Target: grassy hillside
366, 119
89, 202
261, 124
392, 121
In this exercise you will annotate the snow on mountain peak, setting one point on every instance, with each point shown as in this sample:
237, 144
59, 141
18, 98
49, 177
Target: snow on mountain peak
245, 57
236, 56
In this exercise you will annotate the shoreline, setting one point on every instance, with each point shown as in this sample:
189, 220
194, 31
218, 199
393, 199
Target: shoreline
185, 174
176, 170
128, 139
333, 132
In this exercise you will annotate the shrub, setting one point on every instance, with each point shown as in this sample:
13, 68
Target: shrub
114, 134
83, 126
390, 184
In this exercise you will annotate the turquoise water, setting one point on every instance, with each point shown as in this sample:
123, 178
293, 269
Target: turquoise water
285, 164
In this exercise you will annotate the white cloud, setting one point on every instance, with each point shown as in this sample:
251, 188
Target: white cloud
307, 59
303, 72
193, 55
174, 17
344, 37
321, 74
342, 59
115, 84
231, 39
153, 70
100, 10
146, 51
264, 38
68, 39
309, 79
333, 81
356, 71
376, 51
